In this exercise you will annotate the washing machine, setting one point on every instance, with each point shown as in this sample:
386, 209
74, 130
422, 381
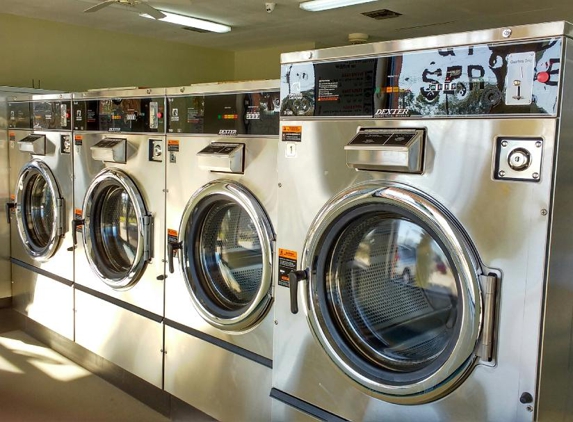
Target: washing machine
40, 209
118, 227
221, 212
424, 236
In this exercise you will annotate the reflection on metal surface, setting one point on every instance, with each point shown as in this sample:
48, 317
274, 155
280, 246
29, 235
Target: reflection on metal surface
39, 210
387, 294
116, 229
227, 255
398, 333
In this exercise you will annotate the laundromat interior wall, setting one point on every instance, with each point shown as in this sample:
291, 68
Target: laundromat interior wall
75, 58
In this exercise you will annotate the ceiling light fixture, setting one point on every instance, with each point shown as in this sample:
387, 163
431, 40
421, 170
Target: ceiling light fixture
320, 5
191, 22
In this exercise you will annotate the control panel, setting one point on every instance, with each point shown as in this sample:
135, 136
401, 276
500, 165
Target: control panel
520, 78
518, 159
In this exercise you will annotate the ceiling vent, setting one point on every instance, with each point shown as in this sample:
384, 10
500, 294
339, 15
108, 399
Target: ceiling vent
382, 14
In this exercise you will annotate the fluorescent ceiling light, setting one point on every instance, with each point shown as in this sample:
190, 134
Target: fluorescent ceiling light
319, 5
191, 22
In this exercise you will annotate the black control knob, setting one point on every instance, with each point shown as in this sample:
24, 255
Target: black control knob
526, 398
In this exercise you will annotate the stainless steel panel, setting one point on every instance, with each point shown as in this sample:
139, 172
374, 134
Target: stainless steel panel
52, 96
44, 300
505, 220
513, 33
228, 388
125, 338
62, 262
149, 178
553, 401
224, 87
184, 178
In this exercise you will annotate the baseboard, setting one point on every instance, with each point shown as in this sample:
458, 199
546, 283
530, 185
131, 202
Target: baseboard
157, 399
5, 302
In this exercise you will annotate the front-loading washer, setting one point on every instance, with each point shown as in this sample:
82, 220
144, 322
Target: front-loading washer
119, 171
41, 209
425, 204
221, 211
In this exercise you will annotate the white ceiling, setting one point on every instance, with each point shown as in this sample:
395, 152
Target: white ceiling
254, 28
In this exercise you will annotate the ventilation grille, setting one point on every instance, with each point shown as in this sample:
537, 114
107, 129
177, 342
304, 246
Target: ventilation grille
382, 14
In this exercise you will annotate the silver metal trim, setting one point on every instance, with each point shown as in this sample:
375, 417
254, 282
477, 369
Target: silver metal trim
144, 247
119, 93
467, 265
522, 32
39, 167
262, 301
224, 88
41, 97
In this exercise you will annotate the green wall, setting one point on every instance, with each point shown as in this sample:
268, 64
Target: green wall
76, 58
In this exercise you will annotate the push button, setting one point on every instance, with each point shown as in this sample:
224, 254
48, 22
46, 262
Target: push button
519, 159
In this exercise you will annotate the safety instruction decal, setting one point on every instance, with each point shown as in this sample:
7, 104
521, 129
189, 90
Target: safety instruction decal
292, 133
78, 139
287, 264
78, 216
172, 235
173, 145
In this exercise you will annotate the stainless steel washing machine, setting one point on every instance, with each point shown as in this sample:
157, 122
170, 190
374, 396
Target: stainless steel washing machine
425, 205
40, 209
221, 211
119, 223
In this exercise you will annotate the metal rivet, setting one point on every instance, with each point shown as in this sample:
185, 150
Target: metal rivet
506, 33
501, 173
529, 408
504, 143
149, 91
543, 211
276, 322
280, 185
182, 89
538, 144
535, 175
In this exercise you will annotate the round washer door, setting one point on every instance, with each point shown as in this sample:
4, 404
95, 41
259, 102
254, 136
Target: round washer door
226, 246
393, 292
39, 210
116, 229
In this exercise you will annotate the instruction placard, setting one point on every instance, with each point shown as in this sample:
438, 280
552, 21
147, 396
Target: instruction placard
287, 264
292, 134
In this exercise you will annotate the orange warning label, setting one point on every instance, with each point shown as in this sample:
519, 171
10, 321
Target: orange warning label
285, 253
78, 212
12, 197
292, 129
171, 232
173, 145
78, 137
12, 134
